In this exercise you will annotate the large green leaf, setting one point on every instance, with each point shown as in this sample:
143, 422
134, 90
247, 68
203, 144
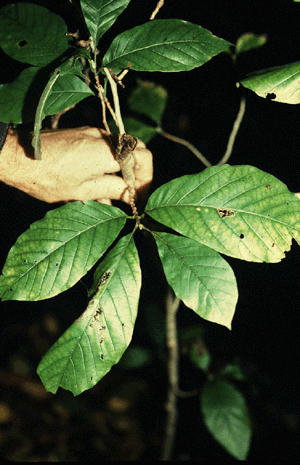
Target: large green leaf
199, 276
240, 211
97, 340
163, 45
32, 34
100, 15
19, 99
14, 95
60, 93
226, 416
149, 99
58, 250
281, 83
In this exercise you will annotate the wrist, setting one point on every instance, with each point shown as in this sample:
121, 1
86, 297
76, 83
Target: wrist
16, 168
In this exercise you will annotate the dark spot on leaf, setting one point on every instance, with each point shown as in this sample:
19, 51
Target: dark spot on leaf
24, 261
101, 356
287, 203
10, 289
122, 324
20, 274
22, 43
103, 327
56, 264
271, 96
101, 340
223, 212
268, 186
242, 236
273, 244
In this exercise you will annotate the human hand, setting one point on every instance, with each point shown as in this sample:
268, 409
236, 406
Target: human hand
78, 164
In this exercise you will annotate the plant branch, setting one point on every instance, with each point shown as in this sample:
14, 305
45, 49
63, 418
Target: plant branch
160, 4
236, 127
186, 144
114, 90
172, 305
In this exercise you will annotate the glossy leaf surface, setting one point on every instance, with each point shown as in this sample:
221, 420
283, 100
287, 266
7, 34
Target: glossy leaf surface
281, 84
98, 338
58, 250
100, 15
199, 276
165, 45
240, 211
31, 34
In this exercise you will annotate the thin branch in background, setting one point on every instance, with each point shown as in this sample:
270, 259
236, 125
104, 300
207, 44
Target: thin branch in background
55, 118
186, 144
172, 305
158, 7
114, 90
236, 127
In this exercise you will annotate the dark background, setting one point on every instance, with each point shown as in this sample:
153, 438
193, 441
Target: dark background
202, 107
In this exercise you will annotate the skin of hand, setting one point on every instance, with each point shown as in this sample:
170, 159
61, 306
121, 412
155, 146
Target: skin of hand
76, 164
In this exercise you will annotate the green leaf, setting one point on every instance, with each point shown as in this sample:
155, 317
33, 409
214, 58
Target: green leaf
97, 340
135, 128
249, 41
32, 34
281, 83
200, 356
226, 417
19, 99
199, 276
240, 211
61, 92
58, 250
149, 99
100, 15
163, 45
14, 95
36, 141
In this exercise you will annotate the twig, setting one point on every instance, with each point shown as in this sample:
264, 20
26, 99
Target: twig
114, 90
158, 7
101, 96
236, 127
186, 144
172, 305
55, 118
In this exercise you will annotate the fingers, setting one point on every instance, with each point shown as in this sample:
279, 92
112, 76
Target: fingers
143, 172
107, 187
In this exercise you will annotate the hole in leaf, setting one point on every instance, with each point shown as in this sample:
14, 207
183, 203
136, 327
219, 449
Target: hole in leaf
271, 96
22, 43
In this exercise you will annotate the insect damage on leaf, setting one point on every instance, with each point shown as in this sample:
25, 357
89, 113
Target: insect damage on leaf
223, 212
104, 278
